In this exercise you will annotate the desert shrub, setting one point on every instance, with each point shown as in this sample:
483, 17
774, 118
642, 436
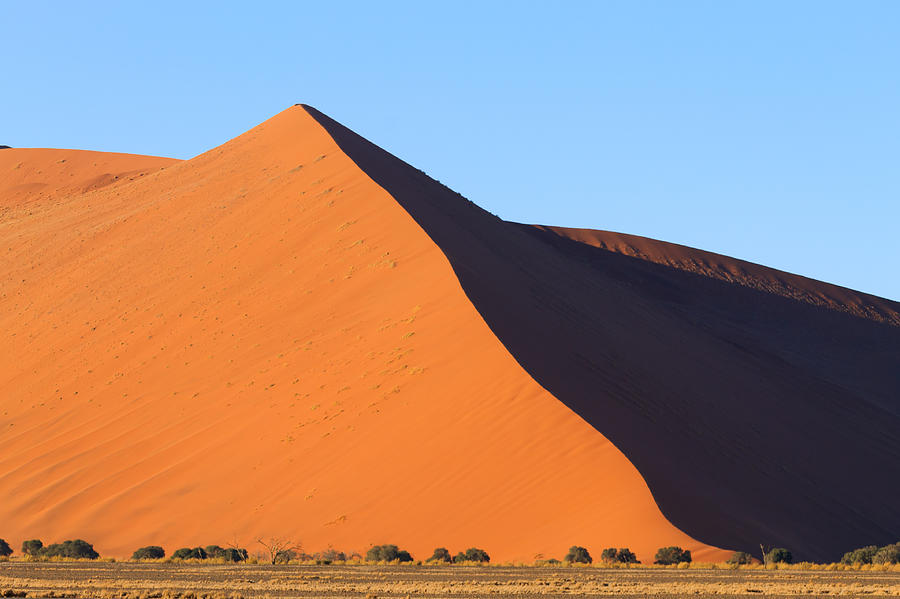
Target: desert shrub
188, 553
5, 549
671, 555
32, 547
578, 555
472, 554
214, 551
889, 554
76, 549
547, 562
149, 552
234, 554
608, 555
387, 553
740, 557
779, 555
182, 553
440, 555
284, 556
330, 555
863, 555
626, 556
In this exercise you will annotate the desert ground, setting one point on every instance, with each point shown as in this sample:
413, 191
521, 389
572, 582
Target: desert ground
170, 580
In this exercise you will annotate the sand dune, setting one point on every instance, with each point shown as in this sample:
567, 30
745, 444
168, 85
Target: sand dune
757, 412
32, 174
739, 272
261, 341
298, 334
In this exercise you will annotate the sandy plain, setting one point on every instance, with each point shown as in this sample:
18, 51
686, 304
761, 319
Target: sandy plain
171, 581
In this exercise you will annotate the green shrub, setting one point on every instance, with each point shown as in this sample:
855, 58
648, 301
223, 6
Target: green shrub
863, 555
578, 555
472, 554
387, 553
779, 555
608, 555
740, 557
440, 555
889, 554
76, 549
149, 552
32, 547
5, 549
188, 553
234, 555
182, 553
671, 555
214, 551
625, 556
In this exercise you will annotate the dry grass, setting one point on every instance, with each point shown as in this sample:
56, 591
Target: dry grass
171, 580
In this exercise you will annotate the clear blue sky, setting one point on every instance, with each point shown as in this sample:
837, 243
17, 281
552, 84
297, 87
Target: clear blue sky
769, 131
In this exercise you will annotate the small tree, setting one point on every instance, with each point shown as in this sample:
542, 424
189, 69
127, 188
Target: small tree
863, 555
440, 555
285, 556
779, 555
149, 552
608, 555
625, 556
32, 547
740, 557
671, 555
5, 549
188, 553
329, 556
889, 554
75, 549
578, 555
472, 554
277, 545
234, 554
214, 551
387, 553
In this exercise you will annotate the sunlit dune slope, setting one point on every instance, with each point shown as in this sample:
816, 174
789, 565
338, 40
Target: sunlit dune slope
260, 342
762, 410
31, 174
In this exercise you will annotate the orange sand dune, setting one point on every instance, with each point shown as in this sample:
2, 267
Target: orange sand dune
31, 174
760, 412
261, 341
739, 272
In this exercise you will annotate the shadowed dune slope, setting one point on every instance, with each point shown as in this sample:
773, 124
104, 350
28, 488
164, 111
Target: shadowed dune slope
261, 341
739, 272
765, 411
